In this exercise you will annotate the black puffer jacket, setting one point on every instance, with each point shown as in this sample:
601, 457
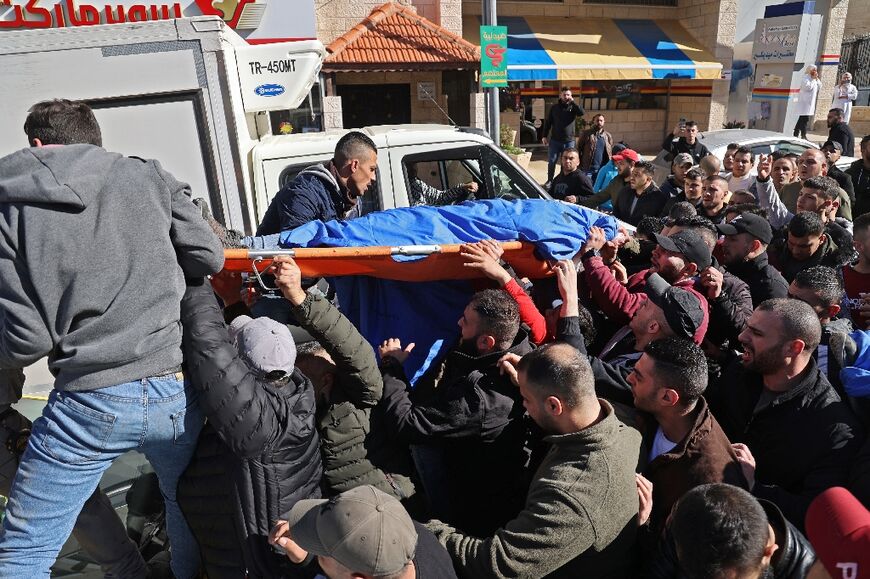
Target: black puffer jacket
258, 455
803, 442
792, 559
764, 281
729, 311
472, 427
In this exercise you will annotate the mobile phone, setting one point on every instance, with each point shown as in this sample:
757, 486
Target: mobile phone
682, 122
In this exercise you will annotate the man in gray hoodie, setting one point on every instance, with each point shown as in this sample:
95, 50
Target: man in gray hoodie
94, 249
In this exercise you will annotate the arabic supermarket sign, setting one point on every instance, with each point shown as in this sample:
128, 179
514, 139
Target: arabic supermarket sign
256, 20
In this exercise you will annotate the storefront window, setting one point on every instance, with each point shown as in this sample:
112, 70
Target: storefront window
308, 118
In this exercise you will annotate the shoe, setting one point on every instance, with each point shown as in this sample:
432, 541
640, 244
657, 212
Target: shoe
230, 238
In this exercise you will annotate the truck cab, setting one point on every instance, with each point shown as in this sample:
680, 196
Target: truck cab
440, 155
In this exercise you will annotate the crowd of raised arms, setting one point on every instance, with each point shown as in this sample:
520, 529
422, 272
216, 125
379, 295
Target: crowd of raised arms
687, 400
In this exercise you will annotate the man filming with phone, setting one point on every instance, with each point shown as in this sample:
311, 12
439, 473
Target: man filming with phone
684, 139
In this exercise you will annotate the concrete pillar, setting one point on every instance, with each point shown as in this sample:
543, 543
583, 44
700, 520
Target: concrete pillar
477, 109
332, 118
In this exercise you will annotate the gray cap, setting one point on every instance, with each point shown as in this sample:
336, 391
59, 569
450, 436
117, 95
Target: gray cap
265, 344
364, 529
684, 159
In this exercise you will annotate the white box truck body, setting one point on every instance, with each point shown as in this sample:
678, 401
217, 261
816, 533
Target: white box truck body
189, 92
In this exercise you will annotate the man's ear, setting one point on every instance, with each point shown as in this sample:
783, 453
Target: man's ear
823, 238
833, 310
690, 269
37, 142
669, 396
485, 343
795, 347
554, 406
756, 245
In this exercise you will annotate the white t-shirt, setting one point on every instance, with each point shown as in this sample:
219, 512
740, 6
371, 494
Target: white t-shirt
660, 445
738, 183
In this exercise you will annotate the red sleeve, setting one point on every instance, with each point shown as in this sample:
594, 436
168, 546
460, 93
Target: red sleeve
529, 314
612, 297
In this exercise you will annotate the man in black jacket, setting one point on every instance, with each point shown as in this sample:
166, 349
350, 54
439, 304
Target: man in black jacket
719, 530
744, 254
810, 244
259, 452
465, 418
840, 131
833, 150
793, 435
560, 120
686, 143
572, 184
859, 171
641, 197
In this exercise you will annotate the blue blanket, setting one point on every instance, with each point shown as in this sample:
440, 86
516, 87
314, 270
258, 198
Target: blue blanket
856, 378
427, 313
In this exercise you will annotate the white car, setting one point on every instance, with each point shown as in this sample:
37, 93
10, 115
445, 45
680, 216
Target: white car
759, 142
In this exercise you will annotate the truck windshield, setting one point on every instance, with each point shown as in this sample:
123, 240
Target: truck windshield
504, 180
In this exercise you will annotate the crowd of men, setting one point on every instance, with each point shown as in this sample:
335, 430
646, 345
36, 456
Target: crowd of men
690, 401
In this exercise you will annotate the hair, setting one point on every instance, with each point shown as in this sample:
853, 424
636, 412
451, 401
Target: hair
826, 186
799, 321
569, 151
865, 139
596, 115
681, 365
693, 174
709, 165
564, 88
587, 324
778, 154
62, 122
691, 124
354, 145
499, 315
646, 167
861, 224
732, 147
805, 224
650, 224
559, 370
825, 281
745, 151
718, 527
702, 226
743, 193
837, 111
682, 210
719, 178
741, 208
793, 156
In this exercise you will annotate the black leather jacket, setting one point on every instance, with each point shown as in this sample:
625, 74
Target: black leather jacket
792, 560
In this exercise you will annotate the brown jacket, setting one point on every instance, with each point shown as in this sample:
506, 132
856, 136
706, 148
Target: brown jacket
586, 146
703, 456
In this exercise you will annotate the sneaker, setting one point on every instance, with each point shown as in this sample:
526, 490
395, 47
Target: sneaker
230, 238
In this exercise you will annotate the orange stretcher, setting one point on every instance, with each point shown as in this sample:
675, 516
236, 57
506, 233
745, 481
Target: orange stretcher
435, 262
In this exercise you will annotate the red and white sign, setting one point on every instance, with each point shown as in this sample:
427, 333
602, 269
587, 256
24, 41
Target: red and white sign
258, 21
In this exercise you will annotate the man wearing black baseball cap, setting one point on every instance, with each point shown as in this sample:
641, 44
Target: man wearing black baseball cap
677, 259
833, 150
744, 254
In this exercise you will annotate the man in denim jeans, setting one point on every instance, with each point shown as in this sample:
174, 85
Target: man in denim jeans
94, 249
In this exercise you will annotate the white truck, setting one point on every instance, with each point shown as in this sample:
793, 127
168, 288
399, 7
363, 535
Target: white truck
193, 94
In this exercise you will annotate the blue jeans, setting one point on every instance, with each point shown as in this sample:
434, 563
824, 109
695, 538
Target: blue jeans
554, 154
74, 441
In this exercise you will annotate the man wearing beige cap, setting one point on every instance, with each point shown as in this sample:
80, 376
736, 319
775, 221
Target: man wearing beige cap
361, 533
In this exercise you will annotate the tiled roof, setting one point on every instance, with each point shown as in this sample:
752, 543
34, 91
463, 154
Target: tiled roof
394, 37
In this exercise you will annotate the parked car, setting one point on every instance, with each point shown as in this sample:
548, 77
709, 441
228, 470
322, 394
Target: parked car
759, 142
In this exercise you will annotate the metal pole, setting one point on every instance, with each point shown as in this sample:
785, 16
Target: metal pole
492, 105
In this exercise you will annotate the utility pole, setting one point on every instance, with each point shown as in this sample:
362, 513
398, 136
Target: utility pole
491, 94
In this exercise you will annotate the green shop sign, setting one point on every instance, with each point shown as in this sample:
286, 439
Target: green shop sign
493, 56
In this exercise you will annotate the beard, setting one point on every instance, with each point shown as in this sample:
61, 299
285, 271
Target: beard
765, 362
468, 347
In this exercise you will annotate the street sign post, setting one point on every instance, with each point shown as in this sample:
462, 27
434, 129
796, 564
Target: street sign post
493, 56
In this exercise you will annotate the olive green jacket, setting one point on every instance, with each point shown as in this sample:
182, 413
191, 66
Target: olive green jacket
352, 454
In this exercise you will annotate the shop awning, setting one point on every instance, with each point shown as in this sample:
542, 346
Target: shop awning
570, 49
